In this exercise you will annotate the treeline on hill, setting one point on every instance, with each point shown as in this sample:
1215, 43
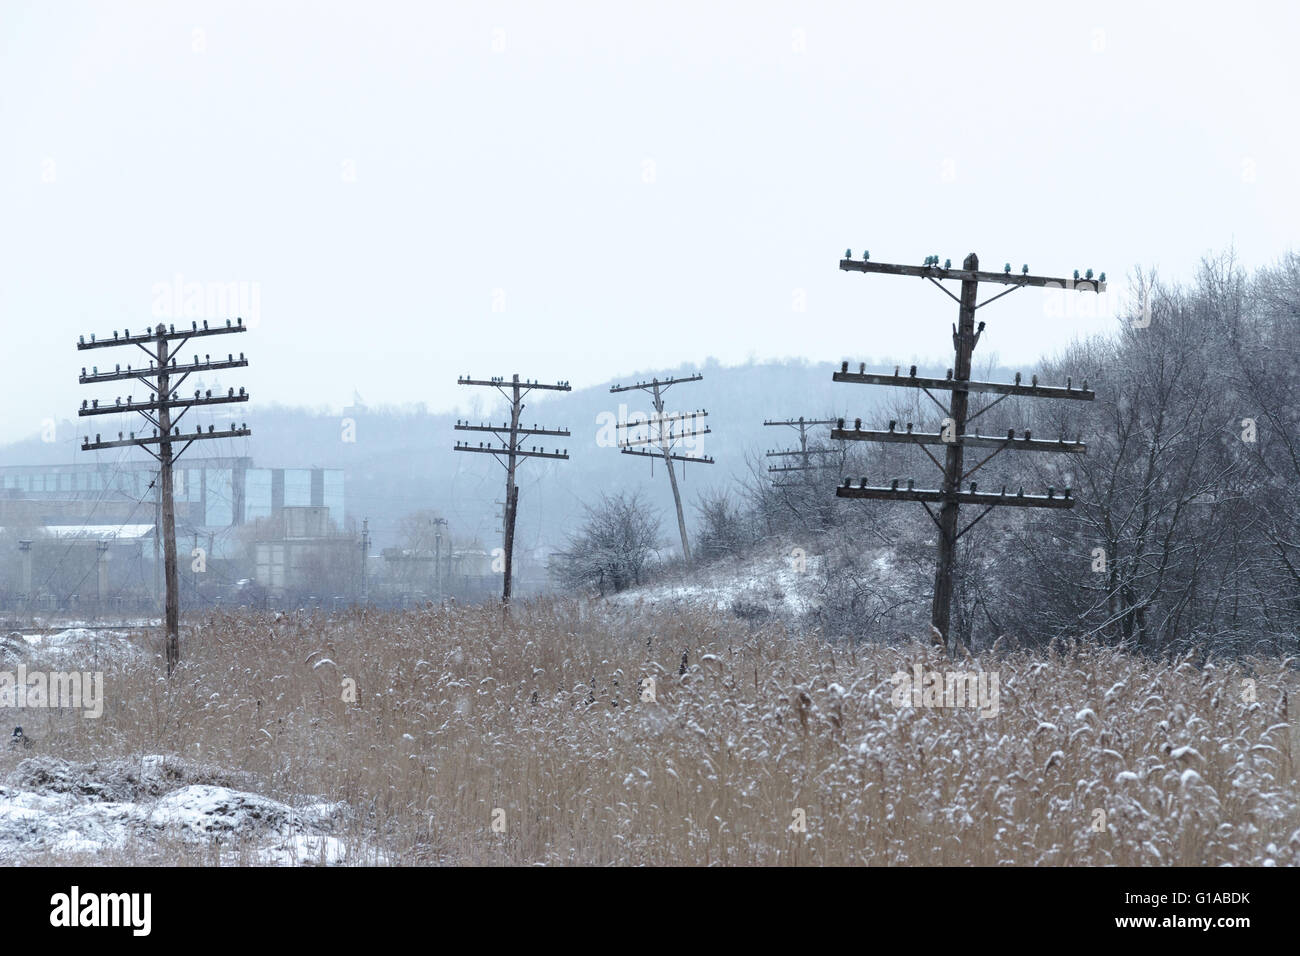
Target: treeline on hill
1186, 531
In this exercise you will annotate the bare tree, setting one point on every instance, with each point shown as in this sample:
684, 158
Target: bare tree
612, 551
726, 528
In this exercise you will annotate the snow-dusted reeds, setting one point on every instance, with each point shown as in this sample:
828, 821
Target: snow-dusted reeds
570, 734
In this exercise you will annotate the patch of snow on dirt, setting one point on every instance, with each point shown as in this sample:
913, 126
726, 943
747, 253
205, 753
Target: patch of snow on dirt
56, 806
782, 583
72, 646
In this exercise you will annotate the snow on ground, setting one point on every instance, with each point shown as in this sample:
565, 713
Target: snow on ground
62, 623
52, 806
145, 807
75, 646
778, 583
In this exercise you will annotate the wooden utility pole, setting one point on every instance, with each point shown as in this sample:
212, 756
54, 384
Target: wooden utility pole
365, 560
156, 485
172, 613
164, 378
803, 452
663, 434
437, 553
957, 416
510, 452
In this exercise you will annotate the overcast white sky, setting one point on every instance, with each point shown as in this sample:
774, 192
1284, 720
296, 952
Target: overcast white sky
635, 185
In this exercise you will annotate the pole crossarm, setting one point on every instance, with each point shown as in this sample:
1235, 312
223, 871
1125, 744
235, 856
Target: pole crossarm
1014, 388
661, 383
506, 450
1012, 500
149, 338
497, 429
703, 460
175, 438
672, 417
809, 451
523, 386
94, 408
796, 422
966, 441
668, 440
95, 377
973, 275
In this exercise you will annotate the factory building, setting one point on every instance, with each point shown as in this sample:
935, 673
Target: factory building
80, 532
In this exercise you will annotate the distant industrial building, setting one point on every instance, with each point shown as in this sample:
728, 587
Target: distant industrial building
212, 494
304, 552
77, 532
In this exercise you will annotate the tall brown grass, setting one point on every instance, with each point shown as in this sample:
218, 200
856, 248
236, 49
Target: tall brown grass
1096, 756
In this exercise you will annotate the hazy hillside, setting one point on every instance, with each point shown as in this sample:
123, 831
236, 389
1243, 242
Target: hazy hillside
402, 459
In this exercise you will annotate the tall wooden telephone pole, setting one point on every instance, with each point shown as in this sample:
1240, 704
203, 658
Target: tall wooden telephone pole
803, 453
365, 560
510, 452
957, 416
164, 378
664, 434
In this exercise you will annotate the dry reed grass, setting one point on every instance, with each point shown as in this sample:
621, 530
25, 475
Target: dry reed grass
459, 714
